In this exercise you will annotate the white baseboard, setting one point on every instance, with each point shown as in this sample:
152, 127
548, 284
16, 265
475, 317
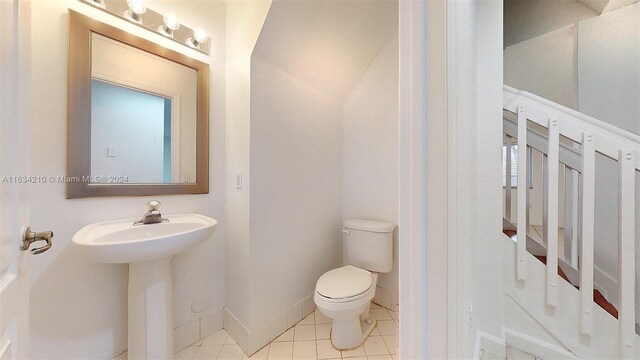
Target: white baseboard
197, 329
252, 340
237, 330
192, 332
387, 298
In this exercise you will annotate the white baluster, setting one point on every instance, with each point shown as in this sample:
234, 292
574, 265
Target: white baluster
575, 218
626, 313
509, 144
545, 198
521, 251
568, 212
588, 214
552, 213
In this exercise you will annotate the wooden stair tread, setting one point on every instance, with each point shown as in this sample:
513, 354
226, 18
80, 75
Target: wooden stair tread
598, 298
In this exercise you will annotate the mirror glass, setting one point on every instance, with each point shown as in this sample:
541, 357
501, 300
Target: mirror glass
143, 116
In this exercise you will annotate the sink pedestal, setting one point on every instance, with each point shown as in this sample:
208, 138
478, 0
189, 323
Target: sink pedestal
150, 310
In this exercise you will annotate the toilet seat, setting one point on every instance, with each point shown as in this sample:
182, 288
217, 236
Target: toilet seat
346, 283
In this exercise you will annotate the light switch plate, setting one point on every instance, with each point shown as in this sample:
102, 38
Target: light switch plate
238, 179
112, 151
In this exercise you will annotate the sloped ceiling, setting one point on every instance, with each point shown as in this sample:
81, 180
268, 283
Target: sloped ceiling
603, 6
617, 4
526, 19
595, 5
328, 44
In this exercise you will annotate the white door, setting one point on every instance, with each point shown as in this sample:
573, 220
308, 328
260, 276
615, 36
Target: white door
14, 162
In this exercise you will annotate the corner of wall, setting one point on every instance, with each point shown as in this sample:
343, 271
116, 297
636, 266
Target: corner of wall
198, 329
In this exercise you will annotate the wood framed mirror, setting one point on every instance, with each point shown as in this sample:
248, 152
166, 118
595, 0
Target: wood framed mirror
138, 115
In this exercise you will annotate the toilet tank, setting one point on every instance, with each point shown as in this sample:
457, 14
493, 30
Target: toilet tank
369, 244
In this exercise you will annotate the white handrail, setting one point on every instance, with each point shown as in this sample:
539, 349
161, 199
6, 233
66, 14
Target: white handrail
610, 138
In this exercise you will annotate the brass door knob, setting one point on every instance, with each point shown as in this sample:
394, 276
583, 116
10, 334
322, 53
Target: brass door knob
29, 237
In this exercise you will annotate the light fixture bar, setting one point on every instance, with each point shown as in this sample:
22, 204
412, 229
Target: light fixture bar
168, 25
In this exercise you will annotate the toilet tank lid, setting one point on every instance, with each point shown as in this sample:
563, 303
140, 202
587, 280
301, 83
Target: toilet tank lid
369, 225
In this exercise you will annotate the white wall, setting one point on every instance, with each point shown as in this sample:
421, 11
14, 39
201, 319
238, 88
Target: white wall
608, 70
525, 19
545, 66
370, 157
476, 83
244, 23
78, 308
296, 188
487, 180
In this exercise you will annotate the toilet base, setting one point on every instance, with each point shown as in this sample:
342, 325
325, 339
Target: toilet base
350, 334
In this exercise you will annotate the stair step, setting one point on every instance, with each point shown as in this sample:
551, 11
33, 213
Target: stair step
598, 298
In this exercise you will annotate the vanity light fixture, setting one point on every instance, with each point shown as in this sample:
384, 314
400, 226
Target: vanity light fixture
199, 36
170, 25
136, 9
166, 25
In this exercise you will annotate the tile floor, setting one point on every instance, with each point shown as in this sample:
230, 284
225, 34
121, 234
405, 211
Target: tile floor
308, 339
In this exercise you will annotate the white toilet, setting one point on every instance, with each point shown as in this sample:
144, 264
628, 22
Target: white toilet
344, 294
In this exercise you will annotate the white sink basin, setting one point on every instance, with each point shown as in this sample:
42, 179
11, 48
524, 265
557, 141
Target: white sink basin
119, 241
148, 250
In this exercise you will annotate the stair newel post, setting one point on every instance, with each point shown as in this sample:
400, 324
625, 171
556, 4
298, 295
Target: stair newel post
588, 221
521, 250
507, 208
552, 212
627, 213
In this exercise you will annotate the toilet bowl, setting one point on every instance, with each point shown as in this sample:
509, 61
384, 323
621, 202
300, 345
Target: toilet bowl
344, 295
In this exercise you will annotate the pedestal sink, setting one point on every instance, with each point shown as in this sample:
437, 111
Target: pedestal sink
148, 250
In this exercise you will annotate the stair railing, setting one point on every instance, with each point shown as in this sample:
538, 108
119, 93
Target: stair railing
593, 136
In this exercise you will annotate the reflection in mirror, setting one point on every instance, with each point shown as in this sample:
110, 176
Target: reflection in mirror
126, 143
143, 115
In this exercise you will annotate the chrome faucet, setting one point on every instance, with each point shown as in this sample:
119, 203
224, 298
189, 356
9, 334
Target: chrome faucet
152, 216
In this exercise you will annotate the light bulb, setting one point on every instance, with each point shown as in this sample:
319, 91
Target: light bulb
170, 25
136, 9
199, 36
171, 22
136, 6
